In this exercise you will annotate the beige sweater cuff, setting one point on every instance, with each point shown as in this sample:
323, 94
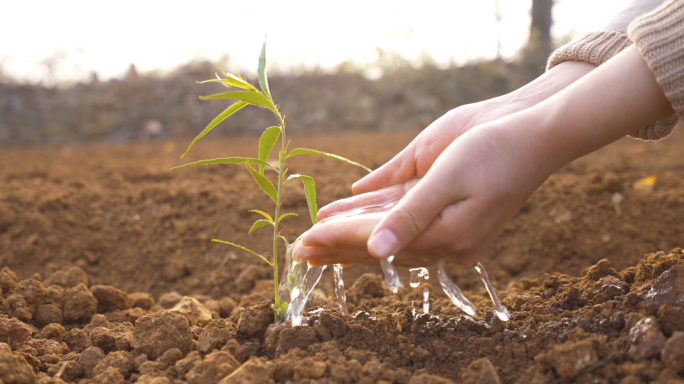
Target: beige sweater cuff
593, 47
659, 36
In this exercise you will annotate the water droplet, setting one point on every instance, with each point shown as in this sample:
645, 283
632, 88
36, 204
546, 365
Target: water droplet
339, 289
455, 294
500, 310
416, 275
391, 275
426, 301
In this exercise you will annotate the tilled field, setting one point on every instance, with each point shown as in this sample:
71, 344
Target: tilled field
110, 275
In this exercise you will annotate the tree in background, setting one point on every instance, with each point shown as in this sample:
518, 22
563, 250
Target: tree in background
539, 45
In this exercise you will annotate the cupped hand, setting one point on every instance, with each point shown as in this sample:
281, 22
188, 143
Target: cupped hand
453, 213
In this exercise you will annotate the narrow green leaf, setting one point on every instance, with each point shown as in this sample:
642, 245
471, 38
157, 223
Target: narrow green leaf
309, 191
254, 98
228, 160
259, 223
302, 151
224, 115
287, 243
286, 215
231, 81
263, 80
244, 249
263, 182
266, 143
264, 214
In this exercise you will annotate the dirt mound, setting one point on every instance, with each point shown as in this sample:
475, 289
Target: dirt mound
136, 292
606, 326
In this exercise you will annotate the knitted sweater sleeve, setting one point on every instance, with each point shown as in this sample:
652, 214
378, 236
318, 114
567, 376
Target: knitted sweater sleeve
599, 46
659, 37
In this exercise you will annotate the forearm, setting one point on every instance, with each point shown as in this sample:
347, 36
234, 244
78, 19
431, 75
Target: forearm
614, 100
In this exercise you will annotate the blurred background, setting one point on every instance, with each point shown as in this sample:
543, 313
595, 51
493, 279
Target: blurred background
125, 71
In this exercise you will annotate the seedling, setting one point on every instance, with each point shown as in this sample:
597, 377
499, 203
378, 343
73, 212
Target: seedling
248, 94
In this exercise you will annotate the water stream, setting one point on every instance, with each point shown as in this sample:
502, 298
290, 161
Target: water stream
299, 279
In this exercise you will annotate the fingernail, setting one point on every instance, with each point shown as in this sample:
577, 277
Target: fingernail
383, 243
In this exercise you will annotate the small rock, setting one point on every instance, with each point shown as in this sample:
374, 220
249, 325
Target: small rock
89, 358
673, 352
156, 333
215, 335
109, 298
142, 300
77, 340
103, 338
226, 307
193, 311
171, 356
111, 375
32, 290
295, 337
571, 358
185, 364
122, 361
212, 369
15, 370
253, 321
54, 294
53, 331
646, 338
69, 279
170, 299
79, 304
46, 314
8, 280
14, 332
481, 371
668, 288
254, 371
670, 319
47, 347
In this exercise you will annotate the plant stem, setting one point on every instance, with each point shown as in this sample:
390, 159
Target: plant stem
281, 175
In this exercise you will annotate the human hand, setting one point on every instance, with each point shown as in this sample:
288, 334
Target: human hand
417, 158
478, 183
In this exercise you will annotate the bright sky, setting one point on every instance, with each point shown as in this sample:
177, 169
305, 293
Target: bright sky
107, 37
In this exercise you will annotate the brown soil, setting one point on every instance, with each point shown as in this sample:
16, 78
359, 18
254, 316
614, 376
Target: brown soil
104, 241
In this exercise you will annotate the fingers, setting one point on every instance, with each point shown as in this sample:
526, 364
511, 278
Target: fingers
368, 261
401, 168
346, 232
411, 216
365, 200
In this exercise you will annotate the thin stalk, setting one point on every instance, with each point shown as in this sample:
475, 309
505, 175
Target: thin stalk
281, 174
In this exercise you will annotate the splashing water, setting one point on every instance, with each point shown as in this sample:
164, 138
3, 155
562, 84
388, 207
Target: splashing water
453, 291
426, 301
339, 289
500, 310
391, 275
298, 280
416, 275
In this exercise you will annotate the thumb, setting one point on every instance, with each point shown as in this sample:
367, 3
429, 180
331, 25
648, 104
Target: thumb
402, 167
409, 217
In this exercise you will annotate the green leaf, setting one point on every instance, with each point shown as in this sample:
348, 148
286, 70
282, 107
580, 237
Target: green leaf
286, 215
287, 243
228, 160
254, 98
244, 249
260, 223
302, 151
263, 182
263, 80
310, 191
231, 81
266, 143
264, 214
224, 115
